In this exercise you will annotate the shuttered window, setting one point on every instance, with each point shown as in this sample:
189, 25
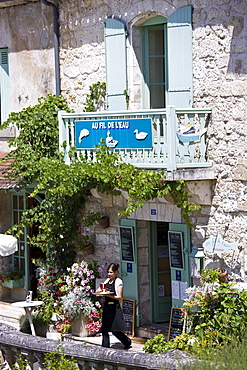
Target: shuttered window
4, 85
167, 61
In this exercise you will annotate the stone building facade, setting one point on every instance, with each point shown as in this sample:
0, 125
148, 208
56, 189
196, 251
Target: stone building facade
219, 50
219, 82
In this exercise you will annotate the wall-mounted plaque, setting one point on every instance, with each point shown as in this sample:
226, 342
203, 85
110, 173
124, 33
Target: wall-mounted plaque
127, 243
175, 239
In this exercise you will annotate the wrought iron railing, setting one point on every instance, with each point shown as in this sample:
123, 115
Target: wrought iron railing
178, 137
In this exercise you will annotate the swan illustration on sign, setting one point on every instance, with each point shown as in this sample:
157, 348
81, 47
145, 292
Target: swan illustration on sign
83, 133
110, 142
140, 135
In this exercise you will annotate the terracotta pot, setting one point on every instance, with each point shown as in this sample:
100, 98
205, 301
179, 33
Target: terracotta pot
223, 275
89, 249
104, 222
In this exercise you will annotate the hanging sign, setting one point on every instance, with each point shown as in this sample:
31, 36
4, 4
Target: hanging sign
132, 133
218, 246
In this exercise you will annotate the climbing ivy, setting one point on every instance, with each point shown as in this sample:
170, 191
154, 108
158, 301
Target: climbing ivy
37, 163
96, 97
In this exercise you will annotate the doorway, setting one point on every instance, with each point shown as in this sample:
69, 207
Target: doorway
160, 272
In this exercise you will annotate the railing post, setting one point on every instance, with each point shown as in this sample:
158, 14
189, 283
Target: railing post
171, 138
63, 137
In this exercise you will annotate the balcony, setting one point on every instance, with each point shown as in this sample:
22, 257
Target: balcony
176, 137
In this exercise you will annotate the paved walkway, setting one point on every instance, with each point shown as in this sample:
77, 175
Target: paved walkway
137, 343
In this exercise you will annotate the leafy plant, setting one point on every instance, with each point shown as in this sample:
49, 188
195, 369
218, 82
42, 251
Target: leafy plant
184, 342
58, 360
155, 345
209, 276
96, 98
8, 272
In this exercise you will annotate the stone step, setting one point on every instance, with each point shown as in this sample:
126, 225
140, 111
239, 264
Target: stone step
150, 331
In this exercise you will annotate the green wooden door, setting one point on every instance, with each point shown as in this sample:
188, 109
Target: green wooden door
160, 272
128, 258
180, 277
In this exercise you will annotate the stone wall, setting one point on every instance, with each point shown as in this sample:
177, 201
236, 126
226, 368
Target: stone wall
27, 31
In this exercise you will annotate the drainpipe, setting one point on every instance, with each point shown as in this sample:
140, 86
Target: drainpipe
56, 44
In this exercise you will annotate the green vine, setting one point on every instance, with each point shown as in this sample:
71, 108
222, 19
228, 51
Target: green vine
96, 97
65, 188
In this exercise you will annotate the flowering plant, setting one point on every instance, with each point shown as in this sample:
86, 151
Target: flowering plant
80, 283
10, 272
201, 296
209, 276
64, 323
95, 319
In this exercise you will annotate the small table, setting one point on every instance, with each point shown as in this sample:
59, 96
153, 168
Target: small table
28, 307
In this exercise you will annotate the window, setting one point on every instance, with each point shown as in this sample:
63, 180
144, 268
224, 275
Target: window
166, 66
4, 85
154, 47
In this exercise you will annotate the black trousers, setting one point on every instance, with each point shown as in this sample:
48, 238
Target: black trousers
119, 335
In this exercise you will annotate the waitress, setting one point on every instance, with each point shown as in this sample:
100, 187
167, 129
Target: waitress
112, 318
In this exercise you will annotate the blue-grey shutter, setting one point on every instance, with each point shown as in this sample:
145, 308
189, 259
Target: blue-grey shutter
179, 44
4, 84
116, 71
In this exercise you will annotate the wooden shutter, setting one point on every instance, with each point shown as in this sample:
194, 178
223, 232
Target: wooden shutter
179, 43
116, 72
4, 84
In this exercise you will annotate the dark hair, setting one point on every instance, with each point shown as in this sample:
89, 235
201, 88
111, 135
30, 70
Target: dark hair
113, 266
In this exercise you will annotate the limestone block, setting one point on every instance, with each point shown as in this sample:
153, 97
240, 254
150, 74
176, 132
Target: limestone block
242, 206
143, 257
239, 173
102, 239
202, 190
143, 237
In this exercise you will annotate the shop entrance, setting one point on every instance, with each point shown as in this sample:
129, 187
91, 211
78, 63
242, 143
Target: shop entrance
160, 272
169, 279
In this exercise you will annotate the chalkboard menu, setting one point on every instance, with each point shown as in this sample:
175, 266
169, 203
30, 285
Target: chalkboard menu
177, 322
127, 243
176, 250
129, 306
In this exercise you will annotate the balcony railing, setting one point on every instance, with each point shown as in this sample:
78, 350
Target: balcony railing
178, 137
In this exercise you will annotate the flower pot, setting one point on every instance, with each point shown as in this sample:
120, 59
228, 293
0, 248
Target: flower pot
89, 249
11, 284
223, 275
104, 222
195, 308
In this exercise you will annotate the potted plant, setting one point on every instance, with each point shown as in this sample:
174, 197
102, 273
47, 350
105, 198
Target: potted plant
11, 277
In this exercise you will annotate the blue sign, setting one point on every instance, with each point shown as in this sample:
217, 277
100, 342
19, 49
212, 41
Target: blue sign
153, 212
178, 275
129, 267
130, 133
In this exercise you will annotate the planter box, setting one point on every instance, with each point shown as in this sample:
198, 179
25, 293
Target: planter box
11, 284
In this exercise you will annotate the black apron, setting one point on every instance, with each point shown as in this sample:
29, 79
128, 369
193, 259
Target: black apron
112, 318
